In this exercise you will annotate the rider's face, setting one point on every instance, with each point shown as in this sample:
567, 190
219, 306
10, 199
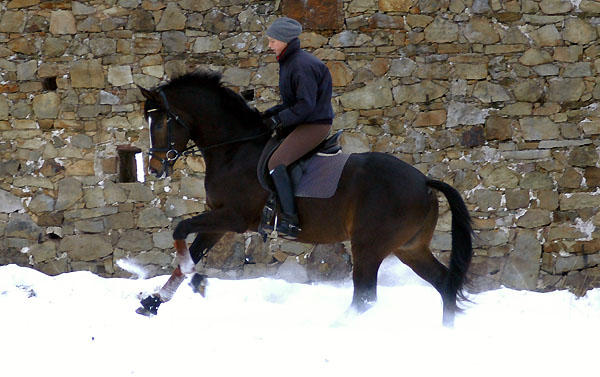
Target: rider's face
276, 45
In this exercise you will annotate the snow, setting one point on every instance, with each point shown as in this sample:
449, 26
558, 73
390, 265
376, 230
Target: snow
79, 324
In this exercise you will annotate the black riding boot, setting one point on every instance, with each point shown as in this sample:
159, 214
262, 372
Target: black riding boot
287, 225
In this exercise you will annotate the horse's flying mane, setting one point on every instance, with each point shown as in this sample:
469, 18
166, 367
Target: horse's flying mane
212, 80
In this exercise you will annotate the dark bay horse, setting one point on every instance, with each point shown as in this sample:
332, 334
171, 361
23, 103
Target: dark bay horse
382, 205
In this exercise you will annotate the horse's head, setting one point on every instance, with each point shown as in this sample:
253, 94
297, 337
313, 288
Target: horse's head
169, 134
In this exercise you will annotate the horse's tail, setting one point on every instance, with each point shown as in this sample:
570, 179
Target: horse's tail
462, 247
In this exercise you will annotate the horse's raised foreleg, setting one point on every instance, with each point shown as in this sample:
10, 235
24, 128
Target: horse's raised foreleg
210, 227
151, 303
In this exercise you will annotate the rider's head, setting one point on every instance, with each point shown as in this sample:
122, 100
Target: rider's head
281, 32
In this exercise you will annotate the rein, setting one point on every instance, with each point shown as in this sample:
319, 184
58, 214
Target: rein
171, 154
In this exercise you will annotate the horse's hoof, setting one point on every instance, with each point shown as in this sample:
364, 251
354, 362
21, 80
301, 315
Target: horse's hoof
199, 283
149, 305
145, 312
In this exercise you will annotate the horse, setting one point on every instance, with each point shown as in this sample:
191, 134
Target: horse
382, 205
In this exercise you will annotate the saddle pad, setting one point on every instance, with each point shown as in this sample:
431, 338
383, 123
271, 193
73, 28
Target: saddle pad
321, 176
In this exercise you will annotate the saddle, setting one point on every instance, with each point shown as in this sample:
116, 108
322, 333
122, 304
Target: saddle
328, 148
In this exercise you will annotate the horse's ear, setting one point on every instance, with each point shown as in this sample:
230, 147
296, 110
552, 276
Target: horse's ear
148, 94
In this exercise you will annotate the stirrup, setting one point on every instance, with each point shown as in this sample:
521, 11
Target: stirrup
288, 230
265, 228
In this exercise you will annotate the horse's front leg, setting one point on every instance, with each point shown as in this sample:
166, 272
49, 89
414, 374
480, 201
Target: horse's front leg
215, 222
210, 227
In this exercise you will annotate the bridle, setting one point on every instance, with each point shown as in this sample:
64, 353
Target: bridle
171, 154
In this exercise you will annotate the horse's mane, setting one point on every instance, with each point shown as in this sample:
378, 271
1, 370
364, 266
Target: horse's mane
212, 80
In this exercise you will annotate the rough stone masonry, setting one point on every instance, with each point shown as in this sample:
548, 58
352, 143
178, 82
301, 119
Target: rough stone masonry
498, 98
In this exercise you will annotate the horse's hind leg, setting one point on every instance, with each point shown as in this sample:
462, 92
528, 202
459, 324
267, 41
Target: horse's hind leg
366, 262
423, 263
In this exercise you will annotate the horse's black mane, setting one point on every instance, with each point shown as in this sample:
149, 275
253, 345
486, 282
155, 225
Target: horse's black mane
212, 80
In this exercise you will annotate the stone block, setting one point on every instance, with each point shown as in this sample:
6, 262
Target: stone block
21, 225
538, 128
569, 54
523, 265
430, 118
578, 30
9, 203
315, 14
592, 176
141, 20
470, 71
41, 203
62, 22
87, 74
152, 218
534, 218
570, 179
86, 247
120, 75
89, 226
516, 199
536, 181
46, 105
528, 90
441, 31
69, 193
424, 91
546, 36
534, 57
81, 168
486, 238
237, 76
42, 252
341, 74
396, 5
27, 71
135, 240
465, 113
501, 177
121, 220
591, 7
481, 30
163, 239
172, 18
488, 92
583, 156
374, 95
147, 44
12, 22
174, 41
580, 69
579, 200
292, 272
498, 128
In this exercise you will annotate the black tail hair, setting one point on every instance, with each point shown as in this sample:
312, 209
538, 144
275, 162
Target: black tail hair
462, 245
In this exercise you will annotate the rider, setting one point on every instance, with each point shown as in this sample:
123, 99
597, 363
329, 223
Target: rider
305, 116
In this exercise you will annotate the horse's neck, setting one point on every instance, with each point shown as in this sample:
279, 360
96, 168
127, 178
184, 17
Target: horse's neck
233, 159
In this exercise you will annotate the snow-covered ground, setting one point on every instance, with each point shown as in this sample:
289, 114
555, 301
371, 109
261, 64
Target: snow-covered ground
78, 324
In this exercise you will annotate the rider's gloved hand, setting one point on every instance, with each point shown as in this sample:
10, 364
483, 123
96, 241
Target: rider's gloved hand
273, 123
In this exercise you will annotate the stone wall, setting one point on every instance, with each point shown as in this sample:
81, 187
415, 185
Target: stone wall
497, 98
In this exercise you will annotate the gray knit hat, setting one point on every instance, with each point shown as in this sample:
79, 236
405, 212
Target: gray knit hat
284, 29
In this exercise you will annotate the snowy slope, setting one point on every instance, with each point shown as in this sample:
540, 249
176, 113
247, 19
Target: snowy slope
78, 324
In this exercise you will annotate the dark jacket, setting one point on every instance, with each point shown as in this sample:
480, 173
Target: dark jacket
305, 88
